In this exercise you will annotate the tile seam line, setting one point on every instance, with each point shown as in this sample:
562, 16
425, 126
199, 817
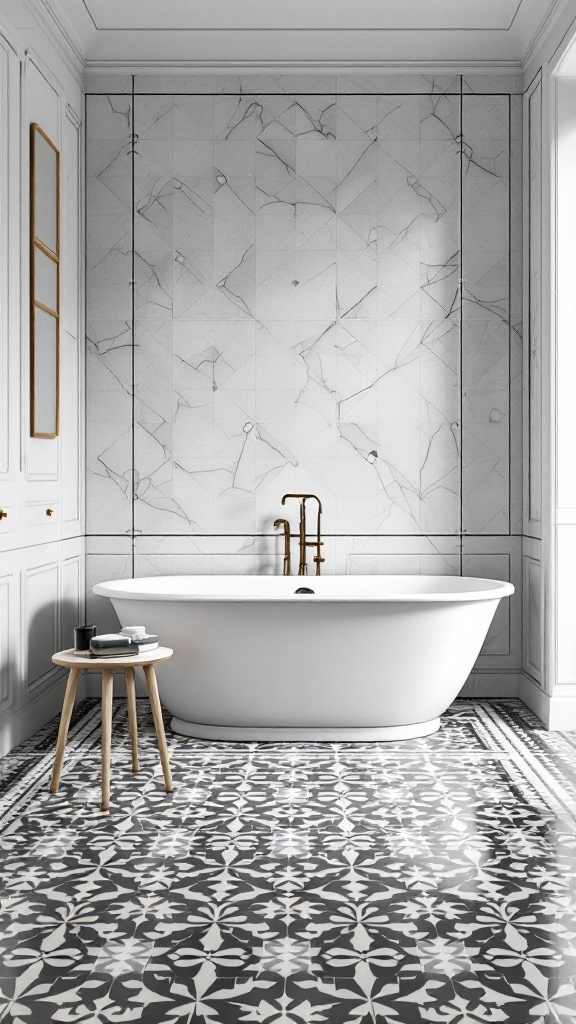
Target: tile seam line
294, 95
132, 324
509, 314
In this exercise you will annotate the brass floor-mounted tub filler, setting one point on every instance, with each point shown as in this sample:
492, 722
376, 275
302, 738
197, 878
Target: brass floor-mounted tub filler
303, 542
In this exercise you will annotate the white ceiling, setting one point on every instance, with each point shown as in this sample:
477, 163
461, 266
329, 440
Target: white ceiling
338, 31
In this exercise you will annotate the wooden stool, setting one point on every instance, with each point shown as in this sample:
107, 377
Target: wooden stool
78, 663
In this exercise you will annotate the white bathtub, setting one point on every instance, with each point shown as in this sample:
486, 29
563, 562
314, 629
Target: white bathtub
363, 658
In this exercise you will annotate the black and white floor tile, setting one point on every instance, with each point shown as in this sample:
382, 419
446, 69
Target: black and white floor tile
430, 880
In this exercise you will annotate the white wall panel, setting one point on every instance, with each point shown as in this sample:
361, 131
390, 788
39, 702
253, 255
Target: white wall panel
4, 340
498, 558
8, 641
42, 576
40, 628
533, 314
9, 280
71, 598
532, 616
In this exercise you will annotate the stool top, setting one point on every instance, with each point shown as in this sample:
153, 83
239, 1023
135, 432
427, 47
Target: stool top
69, 659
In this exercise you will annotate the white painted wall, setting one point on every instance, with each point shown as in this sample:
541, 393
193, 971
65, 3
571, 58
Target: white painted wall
41, 557
549, 554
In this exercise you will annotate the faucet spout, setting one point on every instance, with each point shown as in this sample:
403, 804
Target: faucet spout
303, 542
287, 570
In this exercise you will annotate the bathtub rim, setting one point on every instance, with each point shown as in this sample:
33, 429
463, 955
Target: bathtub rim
126, 590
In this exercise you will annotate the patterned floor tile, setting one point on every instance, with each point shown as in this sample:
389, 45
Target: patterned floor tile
428, 880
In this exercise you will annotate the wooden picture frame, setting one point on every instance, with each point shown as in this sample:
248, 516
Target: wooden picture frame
44, 285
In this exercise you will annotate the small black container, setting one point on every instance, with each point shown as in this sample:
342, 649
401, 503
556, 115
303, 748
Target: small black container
83, 636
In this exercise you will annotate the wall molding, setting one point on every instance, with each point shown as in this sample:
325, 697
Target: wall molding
60, 35
37, 712
545, 25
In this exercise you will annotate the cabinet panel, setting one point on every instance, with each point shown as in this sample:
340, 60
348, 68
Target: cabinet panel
72, 600
41, 521
40, 622
8, 519
532, 585
8, 652
4, 346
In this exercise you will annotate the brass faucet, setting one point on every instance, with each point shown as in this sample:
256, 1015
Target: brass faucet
287, 571
303, 543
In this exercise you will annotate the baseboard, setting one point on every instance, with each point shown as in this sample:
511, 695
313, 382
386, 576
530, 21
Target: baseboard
16, 728
557, 713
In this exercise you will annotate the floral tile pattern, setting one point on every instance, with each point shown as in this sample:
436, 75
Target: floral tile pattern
427, 880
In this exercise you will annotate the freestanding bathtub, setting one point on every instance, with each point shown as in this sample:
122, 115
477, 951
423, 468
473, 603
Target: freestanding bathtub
362, 658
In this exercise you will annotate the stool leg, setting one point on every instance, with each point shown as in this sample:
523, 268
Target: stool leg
67, 709
132, 717
107, 683
152, 687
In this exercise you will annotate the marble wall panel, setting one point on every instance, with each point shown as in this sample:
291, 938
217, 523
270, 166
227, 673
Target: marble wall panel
294, 317
106, 559
401, 82
498, 558
306, 283
486, 315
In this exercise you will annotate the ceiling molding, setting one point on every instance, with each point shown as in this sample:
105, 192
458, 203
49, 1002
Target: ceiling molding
542, 29
60, 34
135, 67
306, 15
63, 34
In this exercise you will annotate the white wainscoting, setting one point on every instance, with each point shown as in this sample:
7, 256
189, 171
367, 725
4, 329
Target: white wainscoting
41, 480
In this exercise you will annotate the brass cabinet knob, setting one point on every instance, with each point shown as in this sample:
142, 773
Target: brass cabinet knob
3, 514
49, 511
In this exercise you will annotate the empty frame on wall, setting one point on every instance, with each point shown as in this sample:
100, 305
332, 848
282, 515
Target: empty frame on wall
44, 284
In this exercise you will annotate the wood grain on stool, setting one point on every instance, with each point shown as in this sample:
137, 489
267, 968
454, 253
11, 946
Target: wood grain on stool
132, 717
67, 709
152, 687
107, 684
79, 663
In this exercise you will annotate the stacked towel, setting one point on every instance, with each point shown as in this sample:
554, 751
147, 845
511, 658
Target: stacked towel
117, 645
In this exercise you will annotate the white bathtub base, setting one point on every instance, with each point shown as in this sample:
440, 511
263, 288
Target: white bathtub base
256, 734
362, 659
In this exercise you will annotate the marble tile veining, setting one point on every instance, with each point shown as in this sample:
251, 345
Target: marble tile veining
319, 297
423, 880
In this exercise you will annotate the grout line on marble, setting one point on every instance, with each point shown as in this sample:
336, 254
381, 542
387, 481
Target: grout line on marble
461, 328
245, 95
509, 314
132, 310
379, 536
